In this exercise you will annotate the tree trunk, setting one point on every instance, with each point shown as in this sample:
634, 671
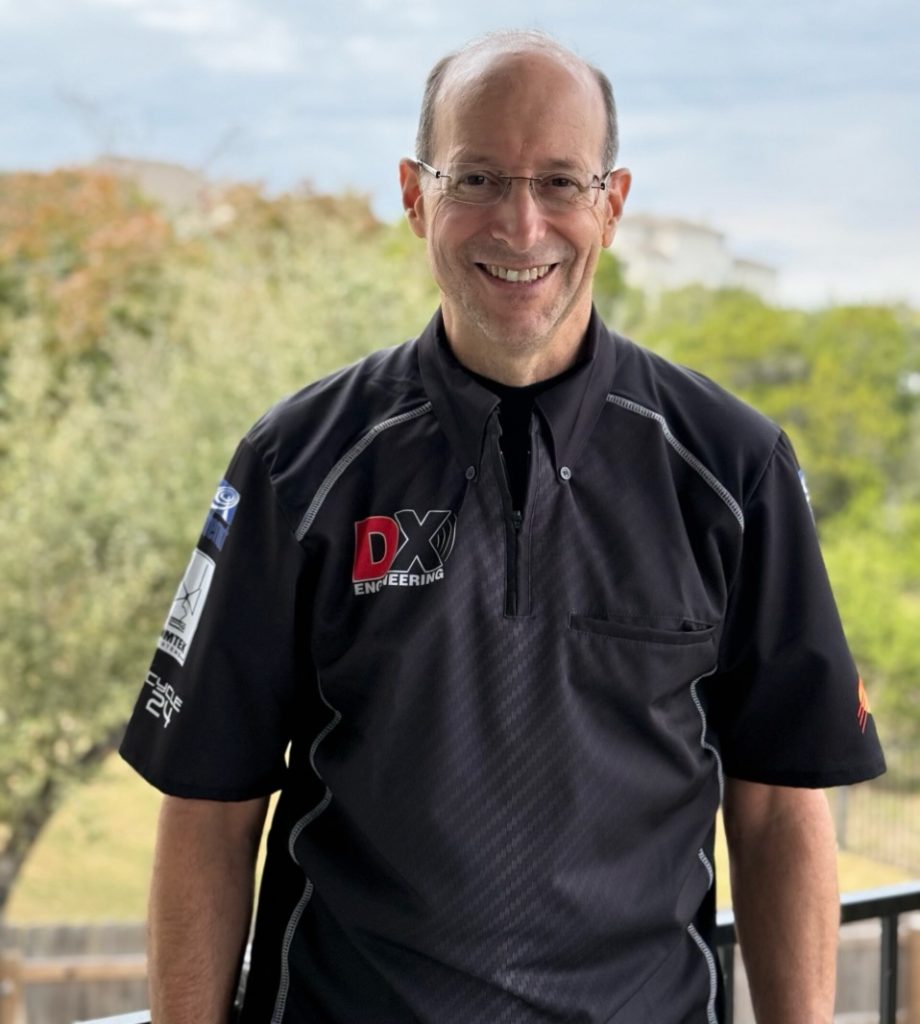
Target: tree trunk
27, 825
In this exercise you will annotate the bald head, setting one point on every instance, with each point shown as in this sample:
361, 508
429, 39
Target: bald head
486, 55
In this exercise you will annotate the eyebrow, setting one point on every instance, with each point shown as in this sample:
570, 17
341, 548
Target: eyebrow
558, 164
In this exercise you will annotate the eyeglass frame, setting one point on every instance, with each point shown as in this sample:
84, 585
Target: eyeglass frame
600, 179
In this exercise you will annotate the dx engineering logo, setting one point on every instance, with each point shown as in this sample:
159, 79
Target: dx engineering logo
402, 550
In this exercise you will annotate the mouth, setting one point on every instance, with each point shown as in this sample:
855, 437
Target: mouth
516, 275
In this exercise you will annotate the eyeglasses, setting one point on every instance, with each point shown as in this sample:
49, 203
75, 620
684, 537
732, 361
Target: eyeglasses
479, 186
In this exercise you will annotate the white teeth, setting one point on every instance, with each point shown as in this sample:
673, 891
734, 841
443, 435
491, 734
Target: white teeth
530, 274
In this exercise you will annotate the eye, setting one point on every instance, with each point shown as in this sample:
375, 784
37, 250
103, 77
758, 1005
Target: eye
562, 181
475, 179
475, 185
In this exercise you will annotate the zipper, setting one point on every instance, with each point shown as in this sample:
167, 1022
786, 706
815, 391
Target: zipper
513, 534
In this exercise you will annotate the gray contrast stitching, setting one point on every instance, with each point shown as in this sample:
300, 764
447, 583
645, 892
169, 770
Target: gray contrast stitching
720, 489
347, 459
704, 860
713, 977
292, 925
704, 743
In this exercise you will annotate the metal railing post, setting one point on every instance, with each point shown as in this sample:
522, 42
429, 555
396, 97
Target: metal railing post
888, 970
728, 972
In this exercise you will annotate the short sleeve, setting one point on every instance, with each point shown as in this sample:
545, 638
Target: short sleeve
213, 717
787, 706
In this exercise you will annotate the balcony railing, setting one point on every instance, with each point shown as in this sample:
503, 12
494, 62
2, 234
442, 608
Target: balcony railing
886, 904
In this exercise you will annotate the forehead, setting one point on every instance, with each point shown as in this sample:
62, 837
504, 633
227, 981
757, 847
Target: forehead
520, 110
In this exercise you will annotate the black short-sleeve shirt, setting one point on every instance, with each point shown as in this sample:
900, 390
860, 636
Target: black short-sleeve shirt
506, 729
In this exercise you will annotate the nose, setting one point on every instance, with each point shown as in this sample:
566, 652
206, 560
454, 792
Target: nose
518, 220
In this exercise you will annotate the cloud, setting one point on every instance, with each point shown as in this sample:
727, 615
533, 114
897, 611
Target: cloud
15, 15
222, 35
420, 14
822, 255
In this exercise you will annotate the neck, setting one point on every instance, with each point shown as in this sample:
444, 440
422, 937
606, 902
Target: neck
516, 374
520, 365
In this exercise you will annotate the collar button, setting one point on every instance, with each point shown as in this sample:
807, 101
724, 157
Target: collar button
565, 473
470, 473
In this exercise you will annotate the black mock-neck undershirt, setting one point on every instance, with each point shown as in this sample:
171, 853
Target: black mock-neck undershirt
514, 414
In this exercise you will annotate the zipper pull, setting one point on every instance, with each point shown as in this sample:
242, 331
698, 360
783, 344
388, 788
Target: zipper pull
517, 519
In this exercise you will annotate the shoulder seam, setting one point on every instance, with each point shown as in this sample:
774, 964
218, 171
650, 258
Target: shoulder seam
766, 465
271, 483
692, 461
348, 458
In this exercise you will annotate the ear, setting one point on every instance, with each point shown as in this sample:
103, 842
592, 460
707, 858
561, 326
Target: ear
617, 190
413, 199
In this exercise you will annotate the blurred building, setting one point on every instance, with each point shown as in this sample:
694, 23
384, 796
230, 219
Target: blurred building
175, 187
191, 200
661, 253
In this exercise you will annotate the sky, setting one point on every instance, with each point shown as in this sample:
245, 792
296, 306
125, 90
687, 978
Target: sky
791, 126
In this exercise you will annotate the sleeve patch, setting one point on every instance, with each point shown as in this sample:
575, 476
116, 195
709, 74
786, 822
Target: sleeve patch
187, 607
220, 515
164, 702
805, 491
863, 711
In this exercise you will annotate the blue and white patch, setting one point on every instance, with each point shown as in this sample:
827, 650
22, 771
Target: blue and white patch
220, 515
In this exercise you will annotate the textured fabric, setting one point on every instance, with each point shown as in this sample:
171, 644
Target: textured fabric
506, 741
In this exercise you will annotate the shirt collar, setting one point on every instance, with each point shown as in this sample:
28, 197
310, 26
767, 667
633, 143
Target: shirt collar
463, 406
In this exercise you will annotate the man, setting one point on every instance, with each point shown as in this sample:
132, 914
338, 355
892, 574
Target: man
526, 602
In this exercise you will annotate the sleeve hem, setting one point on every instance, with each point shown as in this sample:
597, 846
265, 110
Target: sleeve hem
811, 779
192, 791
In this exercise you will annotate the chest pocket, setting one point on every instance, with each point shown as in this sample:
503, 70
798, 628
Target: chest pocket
641, 629
645, 663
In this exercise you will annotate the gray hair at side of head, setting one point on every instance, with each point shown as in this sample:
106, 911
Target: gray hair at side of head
511, 42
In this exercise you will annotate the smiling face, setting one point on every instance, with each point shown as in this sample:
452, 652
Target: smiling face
515, 278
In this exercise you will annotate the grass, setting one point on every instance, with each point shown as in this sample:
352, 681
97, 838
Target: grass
93, 861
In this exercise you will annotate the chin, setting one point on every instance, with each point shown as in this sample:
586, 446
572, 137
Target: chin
515, 335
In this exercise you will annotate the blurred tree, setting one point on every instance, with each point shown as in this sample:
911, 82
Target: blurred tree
107, 468
832, 379
609, 286
852, 415
874, 562
84, 254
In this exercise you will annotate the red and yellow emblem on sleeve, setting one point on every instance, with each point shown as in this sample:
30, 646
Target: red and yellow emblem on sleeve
863, 711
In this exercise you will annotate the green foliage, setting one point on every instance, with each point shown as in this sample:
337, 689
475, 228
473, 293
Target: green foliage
93, 860
874, 560
107, 466
833, 379
82, 254
851, 415
609, 285
77, 576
